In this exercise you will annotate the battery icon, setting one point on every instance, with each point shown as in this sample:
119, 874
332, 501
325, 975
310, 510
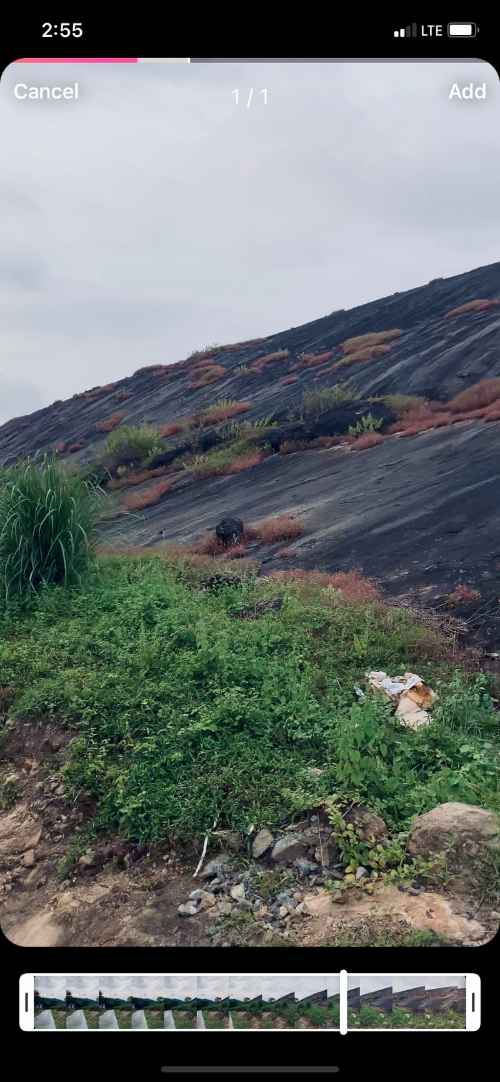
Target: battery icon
462, 30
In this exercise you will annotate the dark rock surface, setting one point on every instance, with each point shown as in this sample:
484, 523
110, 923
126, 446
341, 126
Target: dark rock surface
420, 514
434, 356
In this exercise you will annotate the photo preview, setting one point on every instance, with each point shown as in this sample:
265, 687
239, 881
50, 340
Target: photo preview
249, 556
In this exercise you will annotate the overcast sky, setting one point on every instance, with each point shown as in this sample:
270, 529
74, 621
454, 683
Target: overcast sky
154, 215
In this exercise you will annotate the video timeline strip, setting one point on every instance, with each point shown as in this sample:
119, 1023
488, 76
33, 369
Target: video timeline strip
291, 1002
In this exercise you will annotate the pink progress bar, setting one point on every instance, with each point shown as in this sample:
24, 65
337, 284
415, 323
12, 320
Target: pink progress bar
103, 60
78, 60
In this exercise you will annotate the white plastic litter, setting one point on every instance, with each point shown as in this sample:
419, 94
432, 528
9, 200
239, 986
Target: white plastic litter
411, 697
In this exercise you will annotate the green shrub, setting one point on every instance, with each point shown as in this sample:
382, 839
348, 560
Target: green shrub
367, 423
314, 403
47, 520
183, 713
131, 446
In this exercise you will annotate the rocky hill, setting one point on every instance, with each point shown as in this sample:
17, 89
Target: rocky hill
412, 501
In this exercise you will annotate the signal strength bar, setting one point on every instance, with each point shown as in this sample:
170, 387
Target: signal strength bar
407, 32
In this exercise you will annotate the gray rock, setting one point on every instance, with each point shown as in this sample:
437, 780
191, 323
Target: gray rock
305, 867
188, 909
326, 853
238, 892
86, 860
368, 825
289, 848
361, 872
215, 866
284, 898
262, 842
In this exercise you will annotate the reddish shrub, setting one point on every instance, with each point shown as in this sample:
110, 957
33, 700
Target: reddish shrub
479, 305
354, 586
207, 546
74, 447
169, 429
281, 528
270, 358
369, 439
463, 595
350, 584
360, 355
234, 553
471, 415
109, 423
209, 374
246, 462
286, 554
480, 394
60, 447
311, 360
150, 368
215, 414
493, 414
121, 396
367, 341
138, 501
289, 379
411, 426
201, 360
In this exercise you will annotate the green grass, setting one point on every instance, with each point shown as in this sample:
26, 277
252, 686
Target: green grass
399, 1018
184, 1019
314, 403
47, 521
131, 445
182, 713
366, 423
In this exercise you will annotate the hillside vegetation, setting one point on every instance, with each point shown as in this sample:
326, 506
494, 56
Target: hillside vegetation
185, 711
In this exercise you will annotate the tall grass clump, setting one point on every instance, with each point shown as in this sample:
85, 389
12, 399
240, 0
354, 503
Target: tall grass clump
47, 519
131, 445
315, 403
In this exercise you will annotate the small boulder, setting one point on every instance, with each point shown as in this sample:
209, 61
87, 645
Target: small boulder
87, 859
29, 858
206, 901
262, 842
238, 893
305, 867
187, 909
327, 853
468, 836
215, 866
229, 531
369, 826
289, 848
